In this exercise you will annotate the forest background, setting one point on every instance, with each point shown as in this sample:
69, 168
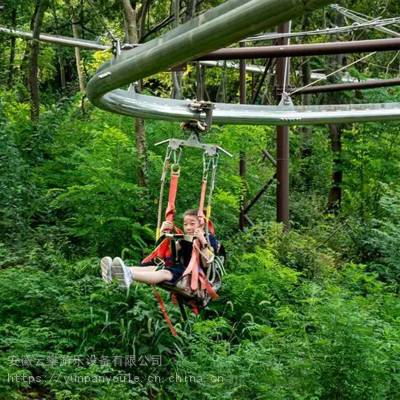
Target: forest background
312, 313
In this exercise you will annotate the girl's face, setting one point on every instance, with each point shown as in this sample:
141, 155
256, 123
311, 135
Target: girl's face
190, 224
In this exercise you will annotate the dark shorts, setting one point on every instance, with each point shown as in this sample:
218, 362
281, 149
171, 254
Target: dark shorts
176, 271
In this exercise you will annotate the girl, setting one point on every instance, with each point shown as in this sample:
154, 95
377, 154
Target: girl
172, 271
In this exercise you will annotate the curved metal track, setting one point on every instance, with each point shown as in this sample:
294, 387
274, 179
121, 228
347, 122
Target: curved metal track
218, 27
133, 104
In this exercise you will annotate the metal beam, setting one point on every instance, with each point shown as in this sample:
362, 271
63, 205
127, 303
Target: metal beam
259, 194
235, 53
55, 39
268, 156
295, 50
142, 106
349, 86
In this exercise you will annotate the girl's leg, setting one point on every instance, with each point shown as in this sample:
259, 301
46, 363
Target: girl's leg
142, 269
151, 277
125, 275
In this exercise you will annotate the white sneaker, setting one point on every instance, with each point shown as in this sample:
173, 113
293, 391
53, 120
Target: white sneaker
121, 272
105, 265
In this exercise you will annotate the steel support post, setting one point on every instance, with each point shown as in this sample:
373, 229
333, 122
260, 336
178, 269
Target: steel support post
282, 137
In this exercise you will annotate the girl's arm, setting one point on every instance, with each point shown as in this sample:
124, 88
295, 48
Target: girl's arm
206, 251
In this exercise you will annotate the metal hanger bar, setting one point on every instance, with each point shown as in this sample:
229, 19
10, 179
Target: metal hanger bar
210, 149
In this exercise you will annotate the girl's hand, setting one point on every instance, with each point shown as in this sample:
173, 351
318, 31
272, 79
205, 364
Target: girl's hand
167, 226
199, 233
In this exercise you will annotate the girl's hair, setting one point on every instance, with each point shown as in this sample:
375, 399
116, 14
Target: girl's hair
192, 212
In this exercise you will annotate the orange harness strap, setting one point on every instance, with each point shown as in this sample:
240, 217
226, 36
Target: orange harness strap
203, 191
164, 311
205, 284
198, 275
194, 268
163, 249
173, 189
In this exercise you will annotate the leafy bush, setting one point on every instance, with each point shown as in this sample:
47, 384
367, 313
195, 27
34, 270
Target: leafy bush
380, 242
15, 187
67, 312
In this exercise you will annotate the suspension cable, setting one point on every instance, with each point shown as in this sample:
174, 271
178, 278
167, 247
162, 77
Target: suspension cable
161, 196
210, 163
102, 20
212, 184
334, 72
353, 15
286, 68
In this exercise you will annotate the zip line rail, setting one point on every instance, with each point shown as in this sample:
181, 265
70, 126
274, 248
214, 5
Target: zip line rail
138, 105
216, 28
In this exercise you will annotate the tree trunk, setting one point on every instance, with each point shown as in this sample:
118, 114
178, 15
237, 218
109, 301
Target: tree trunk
10, 77
130, 19
130, 22
176, 75
242, 154
61, 65
306, 131
190, 9
34, 68
75, 34
144, 10
220, 97
141, 148
306, 150
335, 193
335, 135
61, 61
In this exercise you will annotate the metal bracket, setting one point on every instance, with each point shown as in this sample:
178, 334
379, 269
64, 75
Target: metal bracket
128, 46
206, 107
286, 102
279, 90
115, 47
193, 141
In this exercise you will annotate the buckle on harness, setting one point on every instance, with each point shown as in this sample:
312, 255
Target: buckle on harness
159, 262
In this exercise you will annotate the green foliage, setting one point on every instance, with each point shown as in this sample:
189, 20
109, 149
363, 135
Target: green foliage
327, 344
258, 285
69, 312
295, 319
381, 239
309, 314
14, 184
